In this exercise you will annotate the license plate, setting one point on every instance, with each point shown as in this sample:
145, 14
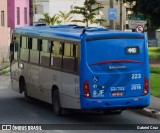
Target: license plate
116, 94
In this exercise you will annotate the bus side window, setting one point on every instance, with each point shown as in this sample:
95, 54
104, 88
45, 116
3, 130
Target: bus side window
45, 53
69, 57
77, 59
56, 55
16, 42
24, 52
34, 52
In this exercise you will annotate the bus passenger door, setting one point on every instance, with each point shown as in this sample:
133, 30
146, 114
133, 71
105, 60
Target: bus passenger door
14, 65
70, 77
34, 88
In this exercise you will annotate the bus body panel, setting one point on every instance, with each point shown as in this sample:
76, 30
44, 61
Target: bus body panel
68, 86
112, 73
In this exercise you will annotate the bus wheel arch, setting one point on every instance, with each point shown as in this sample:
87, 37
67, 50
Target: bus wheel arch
56, 104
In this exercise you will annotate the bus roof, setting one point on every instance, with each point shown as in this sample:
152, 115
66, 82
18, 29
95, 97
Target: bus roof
69, 32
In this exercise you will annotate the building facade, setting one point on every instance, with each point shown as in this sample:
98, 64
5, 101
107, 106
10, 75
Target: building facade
14, 13
54, 6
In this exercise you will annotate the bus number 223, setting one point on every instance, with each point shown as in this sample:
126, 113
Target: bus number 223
136, 76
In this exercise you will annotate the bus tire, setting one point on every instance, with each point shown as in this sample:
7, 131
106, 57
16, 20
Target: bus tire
112, 112
23, 87
56, 103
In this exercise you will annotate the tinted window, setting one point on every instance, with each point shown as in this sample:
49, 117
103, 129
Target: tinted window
45, 53
34, 52
70, 57
24, 51
56, 55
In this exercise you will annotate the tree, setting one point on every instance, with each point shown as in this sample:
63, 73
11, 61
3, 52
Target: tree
88, 12
46, 19
49, 20
151, 10
55, 20
65, 17
31, 11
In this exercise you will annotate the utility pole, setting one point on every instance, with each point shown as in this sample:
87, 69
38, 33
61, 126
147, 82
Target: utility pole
121, 15
31, 8
112, 22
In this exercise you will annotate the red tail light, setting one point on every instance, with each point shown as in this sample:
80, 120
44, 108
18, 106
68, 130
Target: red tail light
86, 89
146, 86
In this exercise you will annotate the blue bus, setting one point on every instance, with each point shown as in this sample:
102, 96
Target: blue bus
74, 67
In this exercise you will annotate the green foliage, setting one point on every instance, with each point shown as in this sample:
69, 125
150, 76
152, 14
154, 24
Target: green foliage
4, 69
55, 20
50, 20
154, 52
155, 70
65, 17
154, 84
151, 10
88, 12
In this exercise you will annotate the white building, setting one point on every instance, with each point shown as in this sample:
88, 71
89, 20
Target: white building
54, 6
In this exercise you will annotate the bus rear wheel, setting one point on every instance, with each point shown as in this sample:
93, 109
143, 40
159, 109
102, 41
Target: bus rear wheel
56, 103
23, 87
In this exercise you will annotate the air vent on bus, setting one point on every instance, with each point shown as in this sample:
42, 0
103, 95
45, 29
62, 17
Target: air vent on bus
93, 29
76, 27
63, 26
40, 24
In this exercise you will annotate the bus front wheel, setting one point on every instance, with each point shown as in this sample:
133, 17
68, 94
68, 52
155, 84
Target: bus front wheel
56, 103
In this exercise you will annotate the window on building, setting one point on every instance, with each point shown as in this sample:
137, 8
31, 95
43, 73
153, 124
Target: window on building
25, 15
38, 9
18, 15
2, 18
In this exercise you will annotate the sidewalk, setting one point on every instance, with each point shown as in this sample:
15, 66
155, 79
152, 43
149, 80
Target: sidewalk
155, 103
153, 110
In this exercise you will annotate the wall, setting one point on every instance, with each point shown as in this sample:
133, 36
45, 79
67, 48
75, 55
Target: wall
45, 5
9, 8
4, 33
12, 13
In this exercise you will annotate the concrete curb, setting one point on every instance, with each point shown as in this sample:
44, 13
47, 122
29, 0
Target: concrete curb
148, 112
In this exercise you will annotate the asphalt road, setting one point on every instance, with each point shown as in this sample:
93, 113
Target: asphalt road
14, 110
